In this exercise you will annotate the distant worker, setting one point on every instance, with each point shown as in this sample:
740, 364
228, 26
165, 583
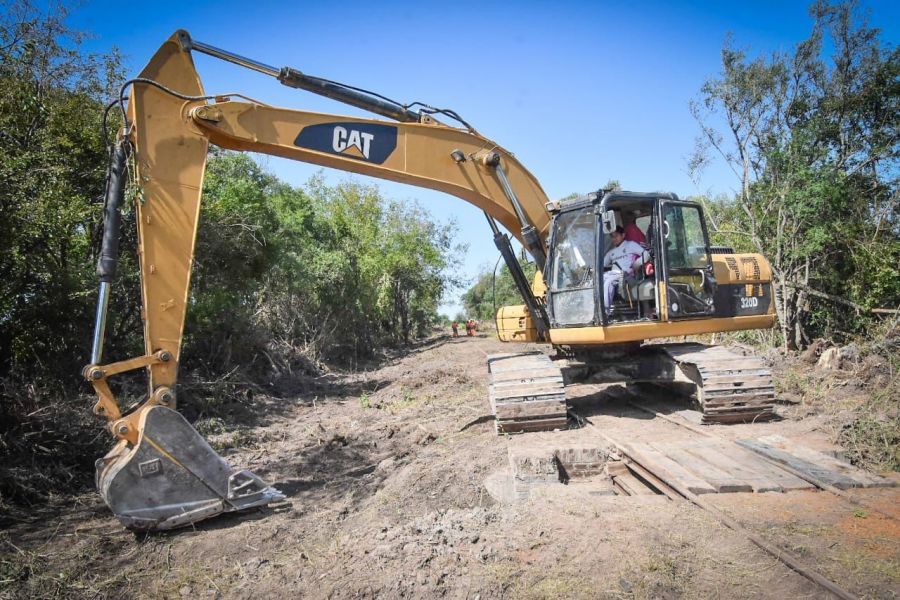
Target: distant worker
633, 233
470, 328
620, 258
454, 326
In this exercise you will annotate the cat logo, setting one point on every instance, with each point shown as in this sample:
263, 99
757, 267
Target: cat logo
369, 142
351, 142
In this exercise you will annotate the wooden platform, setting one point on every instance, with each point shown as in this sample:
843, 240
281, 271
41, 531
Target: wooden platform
709, 466
819, 467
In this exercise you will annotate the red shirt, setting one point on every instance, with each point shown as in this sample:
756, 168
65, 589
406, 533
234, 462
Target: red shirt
633, 233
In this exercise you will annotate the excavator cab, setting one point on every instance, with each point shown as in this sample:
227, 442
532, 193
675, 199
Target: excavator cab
672, 277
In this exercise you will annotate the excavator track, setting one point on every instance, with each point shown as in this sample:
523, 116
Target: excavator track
731, 388
526, 392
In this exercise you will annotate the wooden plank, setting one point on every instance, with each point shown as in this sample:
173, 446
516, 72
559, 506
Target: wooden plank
740, 383
739, 418
726, 392
740, 386
511, 362
536, 387
717, 405
521, 380
740, 408
519, 363
761, 374
740, 411
724, 364
755, 463
738, 391
525, 390
501, 356
531, 425
614, 468
722, 481
725, 400
725, 403
747, 417
522, 369
666, 468
538, 373
813, 471
519, 410
828, 461
631, 485
719, 455
753, 389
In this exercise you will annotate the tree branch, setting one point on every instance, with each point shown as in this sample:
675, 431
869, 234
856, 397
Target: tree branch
839, 300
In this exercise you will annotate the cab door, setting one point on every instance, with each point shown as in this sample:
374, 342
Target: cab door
688, 271
570, 275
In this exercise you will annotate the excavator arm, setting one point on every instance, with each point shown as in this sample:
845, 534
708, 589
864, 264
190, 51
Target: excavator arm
161, 473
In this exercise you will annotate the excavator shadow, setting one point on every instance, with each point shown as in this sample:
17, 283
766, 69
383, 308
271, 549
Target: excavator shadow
619, 400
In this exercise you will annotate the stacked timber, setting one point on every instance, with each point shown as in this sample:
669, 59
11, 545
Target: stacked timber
815, 466
526, 393
730, 388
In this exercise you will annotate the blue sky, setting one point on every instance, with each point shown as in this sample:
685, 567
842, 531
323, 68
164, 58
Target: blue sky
581, 92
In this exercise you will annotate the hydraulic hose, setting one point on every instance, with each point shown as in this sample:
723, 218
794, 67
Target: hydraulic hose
112, 217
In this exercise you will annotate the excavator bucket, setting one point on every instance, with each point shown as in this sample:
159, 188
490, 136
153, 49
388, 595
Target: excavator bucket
161, 474
172, 477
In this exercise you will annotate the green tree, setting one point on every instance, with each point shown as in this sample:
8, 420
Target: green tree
240, 241
494, 289
812, 138
52, 160
292, 275
52, 163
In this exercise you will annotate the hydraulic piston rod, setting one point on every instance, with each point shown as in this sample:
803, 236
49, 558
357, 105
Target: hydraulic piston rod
538, 314
109, 249
296, 79
530, 235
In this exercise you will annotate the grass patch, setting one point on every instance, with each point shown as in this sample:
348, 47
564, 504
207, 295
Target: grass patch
668, 571
27, 573
872, 437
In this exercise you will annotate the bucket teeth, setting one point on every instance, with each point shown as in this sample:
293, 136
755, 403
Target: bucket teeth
173, 478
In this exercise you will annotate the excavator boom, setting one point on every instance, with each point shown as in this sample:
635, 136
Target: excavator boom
161, 473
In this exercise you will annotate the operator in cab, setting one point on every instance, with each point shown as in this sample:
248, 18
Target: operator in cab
620, 259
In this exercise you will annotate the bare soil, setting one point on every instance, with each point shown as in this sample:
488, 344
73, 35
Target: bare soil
384, 471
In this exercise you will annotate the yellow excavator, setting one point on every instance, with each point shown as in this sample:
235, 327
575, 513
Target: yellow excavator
162, 474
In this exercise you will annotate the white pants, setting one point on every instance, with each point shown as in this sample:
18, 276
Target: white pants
610, 282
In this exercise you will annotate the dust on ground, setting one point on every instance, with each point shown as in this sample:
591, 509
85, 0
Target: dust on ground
384, 471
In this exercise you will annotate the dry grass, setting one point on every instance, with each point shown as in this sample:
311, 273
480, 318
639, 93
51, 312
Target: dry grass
861, 399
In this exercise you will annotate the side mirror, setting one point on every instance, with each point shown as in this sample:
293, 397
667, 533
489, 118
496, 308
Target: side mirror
609, 221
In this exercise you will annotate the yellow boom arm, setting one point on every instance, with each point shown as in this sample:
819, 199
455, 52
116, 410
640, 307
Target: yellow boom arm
170, 133
161, 473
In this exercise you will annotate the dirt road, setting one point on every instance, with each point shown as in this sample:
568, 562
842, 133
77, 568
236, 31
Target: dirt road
384, 472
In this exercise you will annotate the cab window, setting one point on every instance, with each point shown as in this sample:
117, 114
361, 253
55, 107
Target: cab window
685, 243
572, 268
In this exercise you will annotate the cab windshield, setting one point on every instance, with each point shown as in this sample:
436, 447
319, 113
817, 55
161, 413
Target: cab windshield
572, 268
